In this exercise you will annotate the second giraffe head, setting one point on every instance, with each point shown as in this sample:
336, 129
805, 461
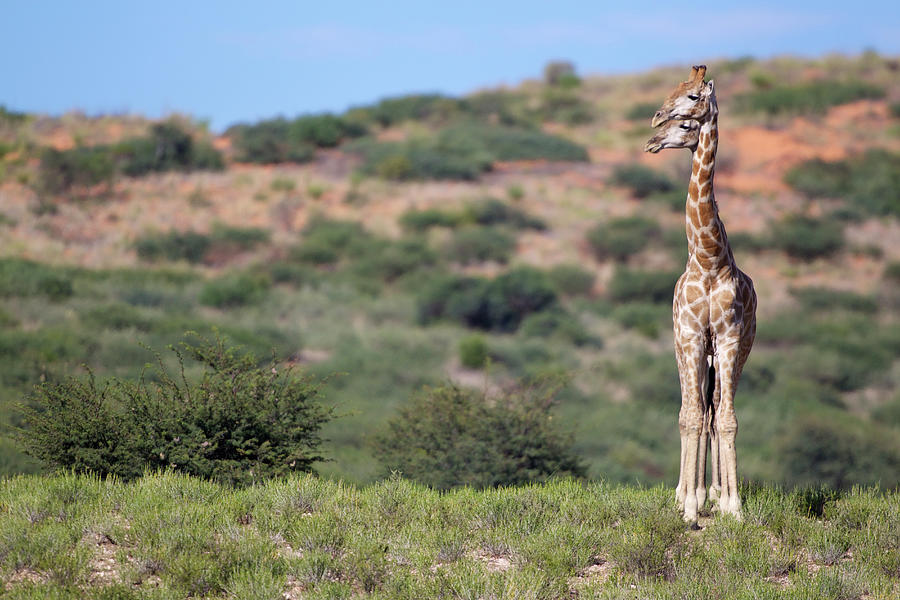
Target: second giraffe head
691, 99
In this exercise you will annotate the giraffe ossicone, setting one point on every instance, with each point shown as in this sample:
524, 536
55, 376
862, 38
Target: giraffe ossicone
713, 310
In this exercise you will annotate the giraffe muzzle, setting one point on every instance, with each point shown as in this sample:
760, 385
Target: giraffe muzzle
659, 118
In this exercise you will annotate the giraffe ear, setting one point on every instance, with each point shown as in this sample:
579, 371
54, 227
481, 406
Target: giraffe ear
710, 86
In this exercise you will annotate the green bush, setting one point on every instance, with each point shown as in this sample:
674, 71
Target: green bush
480, 244
620, 238
473, 351
505, 108
635, 285
174, 245
414, 107
326, 241
430, 158
240, 237
508, 143
571, 280
19, 277
240, 423
823, 299
646, 317
642, 180
642, 111
560, 324
807, 238
269, 142
168, 148
497, 304
422, 220
234, 290
870, 181
323, 131
449, 437
490, 211
391, 260
839, 452
62, 170
564, 105
809, 98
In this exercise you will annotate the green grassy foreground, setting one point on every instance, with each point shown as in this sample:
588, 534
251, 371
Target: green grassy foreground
171, 536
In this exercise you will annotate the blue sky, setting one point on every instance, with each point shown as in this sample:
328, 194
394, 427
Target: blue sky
237, 61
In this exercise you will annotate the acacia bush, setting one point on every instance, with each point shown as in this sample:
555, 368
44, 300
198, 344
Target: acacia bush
238, 423
620, 238
233, 290
808, 98
462, 151
480, 244
497, 304
870, 182
448, 437
642, 180
628, 285
280, 140
169, 147
62, 170
807, 238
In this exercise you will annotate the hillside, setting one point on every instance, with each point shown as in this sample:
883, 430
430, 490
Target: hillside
328, 239
167, 536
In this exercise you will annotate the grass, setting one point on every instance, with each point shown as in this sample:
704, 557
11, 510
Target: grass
167, 535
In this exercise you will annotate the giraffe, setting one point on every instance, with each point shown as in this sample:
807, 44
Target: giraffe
714, 307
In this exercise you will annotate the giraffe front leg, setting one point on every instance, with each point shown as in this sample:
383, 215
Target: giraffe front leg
690, 422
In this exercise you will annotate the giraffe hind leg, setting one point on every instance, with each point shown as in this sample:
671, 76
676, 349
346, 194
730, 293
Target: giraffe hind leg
712, 403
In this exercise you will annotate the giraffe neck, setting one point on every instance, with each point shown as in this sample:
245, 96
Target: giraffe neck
707, 243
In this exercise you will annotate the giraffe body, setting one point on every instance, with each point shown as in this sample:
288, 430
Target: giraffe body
714, 310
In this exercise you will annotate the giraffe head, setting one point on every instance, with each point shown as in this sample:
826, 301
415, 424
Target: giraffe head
676, 134
691, 99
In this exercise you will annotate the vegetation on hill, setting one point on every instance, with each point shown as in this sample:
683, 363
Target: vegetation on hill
369, 268
169, 535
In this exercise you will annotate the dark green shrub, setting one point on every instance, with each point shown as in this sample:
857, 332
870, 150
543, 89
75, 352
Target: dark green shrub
490, 211
742, 241
62, 170
645, 317
292, 273
819, 299
557, 323
813, 97
414, 107
505, 108
239, 237
174, 245
269, 142
422, 220
498, 304
507, 143
168, 148
323, 131
675, 199
642, 111
234, 290
389, 260
117, 317
642, 180
892, 272
564, 105
870, 181
839, 452
571, 280
559, 72
448, 437
430, 158
239, 423
480, 244
634, 285
473, 351
326, 241
620, 238
20, 277
807, 238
